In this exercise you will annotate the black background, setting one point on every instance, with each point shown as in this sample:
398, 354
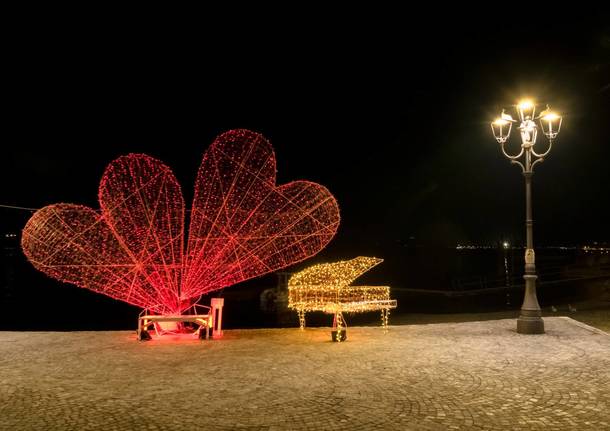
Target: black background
389, 110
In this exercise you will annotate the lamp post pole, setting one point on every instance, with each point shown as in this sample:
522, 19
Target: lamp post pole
530, 320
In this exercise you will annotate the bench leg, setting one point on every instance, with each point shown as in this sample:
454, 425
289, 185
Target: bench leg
143, 334
203, 331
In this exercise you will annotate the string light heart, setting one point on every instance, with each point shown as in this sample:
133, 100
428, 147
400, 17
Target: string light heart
241, 226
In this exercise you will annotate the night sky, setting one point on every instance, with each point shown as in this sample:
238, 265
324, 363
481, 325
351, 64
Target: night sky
392, 118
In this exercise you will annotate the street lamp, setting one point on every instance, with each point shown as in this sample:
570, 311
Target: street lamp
530, 320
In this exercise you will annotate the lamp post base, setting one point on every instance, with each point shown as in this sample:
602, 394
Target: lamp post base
530, 325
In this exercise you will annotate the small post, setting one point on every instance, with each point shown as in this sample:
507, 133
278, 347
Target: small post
217, 304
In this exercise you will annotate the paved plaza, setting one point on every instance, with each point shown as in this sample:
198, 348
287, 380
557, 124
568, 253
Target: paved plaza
478, 375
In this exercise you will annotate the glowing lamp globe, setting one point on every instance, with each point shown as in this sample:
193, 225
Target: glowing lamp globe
550, 123
526, 109
501, 129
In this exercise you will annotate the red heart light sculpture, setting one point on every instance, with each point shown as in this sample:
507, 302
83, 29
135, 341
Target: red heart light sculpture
241, 226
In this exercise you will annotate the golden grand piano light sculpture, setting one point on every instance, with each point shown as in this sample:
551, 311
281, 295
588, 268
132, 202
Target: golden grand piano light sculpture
326, 287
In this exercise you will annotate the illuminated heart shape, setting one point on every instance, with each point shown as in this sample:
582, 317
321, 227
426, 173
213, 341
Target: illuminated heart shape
241, 226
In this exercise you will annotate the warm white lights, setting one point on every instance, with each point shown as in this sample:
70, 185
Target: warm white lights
326, 287
526, 104
551, 116
501, 129
526, 109
550, 124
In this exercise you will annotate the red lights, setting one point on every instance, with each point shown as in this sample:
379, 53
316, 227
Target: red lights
241, 226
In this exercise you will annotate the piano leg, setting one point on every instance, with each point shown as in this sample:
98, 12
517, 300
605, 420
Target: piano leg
384, 319
339, 332
301, 319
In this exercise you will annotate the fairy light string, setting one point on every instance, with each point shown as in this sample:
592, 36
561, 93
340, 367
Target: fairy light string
136, 249
327, 287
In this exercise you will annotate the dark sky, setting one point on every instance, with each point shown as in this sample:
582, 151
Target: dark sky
392, 116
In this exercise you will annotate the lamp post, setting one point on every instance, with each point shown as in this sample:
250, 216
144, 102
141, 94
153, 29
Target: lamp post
530, 320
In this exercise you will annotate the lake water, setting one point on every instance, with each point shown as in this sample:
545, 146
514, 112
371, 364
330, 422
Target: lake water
30, 300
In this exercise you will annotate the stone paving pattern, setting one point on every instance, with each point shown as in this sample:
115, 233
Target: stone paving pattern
478, 375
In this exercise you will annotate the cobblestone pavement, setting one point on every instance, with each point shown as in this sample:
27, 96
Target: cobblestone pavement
478, 375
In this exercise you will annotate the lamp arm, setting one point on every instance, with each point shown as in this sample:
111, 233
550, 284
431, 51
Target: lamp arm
516, 162
541, 156
509, 156
540, 160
